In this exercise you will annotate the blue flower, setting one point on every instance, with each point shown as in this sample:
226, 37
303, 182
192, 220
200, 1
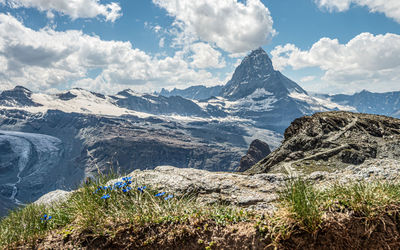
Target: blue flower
126, 189
46, 217
141, 189
159, 194
126, 178
105, 197
117, 184
169, 197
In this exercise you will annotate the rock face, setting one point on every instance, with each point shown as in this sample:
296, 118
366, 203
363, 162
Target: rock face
256, 72
334, 140
257, 151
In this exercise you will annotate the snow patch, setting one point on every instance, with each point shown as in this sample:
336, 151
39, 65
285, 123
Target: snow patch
319, 104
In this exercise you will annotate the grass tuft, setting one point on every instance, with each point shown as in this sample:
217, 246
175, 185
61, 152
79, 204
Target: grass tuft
302, 200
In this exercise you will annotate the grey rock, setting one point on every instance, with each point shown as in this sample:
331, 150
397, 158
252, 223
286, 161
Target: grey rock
54, 197
253, 192
257, 151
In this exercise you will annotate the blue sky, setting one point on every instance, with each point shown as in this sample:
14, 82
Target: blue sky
327, 46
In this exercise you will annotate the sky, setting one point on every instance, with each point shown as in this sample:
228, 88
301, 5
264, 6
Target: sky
326, 46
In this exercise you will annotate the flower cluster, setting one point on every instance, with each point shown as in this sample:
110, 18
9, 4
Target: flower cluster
125, 187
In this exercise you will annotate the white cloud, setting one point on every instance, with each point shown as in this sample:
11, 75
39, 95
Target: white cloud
231, 25
205, 56
161, 43
308, 78
47, 59
366, 60
73, 8
391, 8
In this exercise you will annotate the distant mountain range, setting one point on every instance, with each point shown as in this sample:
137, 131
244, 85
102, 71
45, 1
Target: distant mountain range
50, 141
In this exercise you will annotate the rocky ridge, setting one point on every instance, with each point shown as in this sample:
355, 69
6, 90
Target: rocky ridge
333, 140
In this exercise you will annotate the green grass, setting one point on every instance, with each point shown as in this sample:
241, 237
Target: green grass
302, 199
85, 210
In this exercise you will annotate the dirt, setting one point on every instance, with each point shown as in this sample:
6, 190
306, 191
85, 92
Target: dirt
338, 231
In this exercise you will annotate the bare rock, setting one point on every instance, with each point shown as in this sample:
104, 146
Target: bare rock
257, 151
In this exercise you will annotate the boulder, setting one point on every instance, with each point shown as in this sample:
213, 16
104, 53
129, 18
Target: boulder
257, 151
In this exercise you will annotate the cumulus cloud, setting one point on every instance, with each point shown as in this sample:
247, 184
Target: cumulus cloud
47, 59
205, 56
366, 59
75, 9
231, 25
391, 8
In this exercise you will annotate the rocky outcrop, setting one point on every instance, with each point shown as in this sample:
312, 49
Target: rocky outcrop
257, 151
334, 140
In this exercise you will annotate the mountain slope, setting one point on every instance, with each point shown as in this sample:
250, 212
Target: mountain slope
194, 92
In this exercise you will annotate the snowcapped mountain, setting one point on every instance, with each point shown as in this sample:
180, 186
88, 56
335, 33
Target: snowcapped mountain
368, 102
256, 72
259, 93
18, 97
194, 92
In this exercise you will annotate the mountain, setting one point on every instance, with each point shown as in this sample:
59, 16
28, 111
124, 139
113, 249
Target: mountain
194, 92
332, 141
372, 103
157, 104
257, 72
265, 96
17, 97
56, 141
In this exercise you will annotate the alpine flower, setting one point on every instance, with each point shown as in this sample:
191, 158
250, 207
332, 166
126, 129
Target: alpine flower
105, 197
159, 194
169, 197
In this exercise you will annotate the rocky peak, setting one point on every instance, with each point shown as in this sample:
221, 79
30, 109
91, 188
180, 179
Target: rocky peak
257, 72
19, 96
257, 151
334, 140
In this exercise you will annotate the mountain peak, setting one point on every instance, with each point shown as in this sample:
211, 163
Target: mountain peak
19, 96
257, 72
259, 60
